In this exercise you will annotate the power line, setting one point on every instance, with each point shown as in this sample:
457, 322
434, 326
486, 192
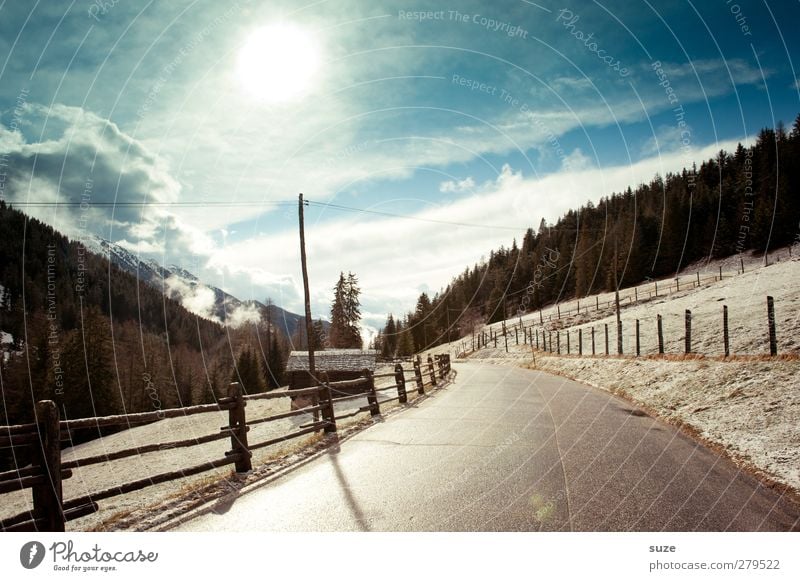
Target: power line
417, 218
252, 203
185, 204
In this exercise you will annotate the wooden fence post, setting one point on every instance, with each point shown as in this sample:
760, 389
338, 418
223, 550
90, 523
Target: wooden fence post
442, 366
688, 338
619, 337
550, 340
580, 341
537, 338
773, 339
725, 340
48, 497
431, 370
606, 326
495, 339
237, 423
372, 396
741, 262
418, 377
505, 340
567, 341
597, 302
593, 340
698, 278
327, 404
558, 342
400, 381
638, 352
660, 335
516, 334
558, 308
677, 284
656, 289
636, 294
720, 272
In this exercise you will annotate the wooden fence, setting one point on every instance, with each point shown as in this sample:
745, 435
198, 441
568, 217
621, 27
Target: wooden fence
541, 339
637, 294
44, 477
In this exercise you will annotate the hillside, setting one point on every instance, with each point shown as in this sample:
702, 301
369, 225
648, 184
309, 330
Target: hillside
746, 406
737, 202
202, 299
99, 340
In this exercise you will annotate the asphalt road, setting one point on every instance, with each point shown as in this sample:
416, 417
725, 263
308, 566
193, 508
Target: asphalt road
507, 449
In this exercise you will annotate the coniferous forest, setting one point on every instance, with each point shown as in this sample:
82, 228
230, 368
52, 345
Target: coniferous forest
745, 200
99, 341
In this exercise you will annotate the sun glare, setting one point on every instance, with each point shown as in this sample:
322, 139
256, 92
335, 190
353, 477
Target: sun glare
278, 62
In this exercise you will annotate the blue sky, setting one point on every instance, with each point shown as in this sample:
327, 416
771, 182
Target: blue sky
488, 114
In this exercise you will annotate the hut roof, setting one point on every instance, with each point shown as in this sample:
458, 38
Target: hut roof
334, 360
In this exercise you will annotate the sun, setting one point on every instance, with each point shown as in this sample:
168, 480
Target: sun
278, 62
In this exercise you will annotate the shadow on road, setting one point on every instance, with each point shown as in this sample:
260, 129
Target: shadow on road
352, 503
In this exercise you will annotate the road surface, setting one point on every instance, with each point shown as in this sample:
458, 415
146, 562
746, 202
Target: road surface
508, 449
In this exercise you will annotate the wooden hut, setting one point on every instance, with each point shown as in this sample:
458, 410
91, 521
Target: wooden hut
339, 364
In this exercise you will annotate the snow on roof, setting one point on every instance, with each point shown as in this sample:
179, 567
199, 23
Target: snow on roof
334, 360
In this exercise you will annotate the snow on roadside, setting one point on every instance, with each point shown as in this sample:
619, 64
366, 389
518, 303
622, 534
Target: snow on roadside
97, 477
750, 408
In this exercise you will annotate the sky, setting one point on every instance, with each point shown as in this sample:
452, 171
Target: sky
184, 131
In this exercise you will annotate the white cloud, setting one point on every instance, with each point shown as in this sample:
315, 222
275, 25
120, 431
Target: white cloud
457, 186
577, 161
667, 139
402, 254
197, 298
247, 313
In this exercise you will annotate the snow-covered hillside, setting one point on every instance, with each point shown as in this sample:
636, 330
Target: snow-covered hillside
743, 294
178, 283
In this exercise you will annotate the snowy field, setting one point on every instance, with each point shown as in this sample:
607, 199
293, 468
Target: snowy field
96, 477
743, 294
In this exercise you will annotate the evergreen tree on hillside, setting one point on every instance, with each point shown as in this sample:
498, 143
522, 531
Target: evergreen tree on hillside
247, 372
389, 338
344, 332
89, 382
275, 363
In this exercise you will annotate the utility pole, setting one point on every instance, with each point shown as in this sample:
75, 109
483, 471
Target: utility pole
309, 325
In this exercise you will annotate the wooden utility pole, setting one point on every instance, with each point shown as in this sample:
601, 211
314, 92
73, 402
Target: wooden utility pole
309, 325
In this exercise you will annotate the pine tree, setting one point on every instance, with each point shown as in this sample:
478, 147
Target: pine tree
389, 344
344, 331
89, 386
247, 372
276, 362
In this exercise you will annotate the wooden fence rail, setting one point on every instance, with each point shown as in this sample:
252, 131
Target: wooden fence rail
44, 477
689, 344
